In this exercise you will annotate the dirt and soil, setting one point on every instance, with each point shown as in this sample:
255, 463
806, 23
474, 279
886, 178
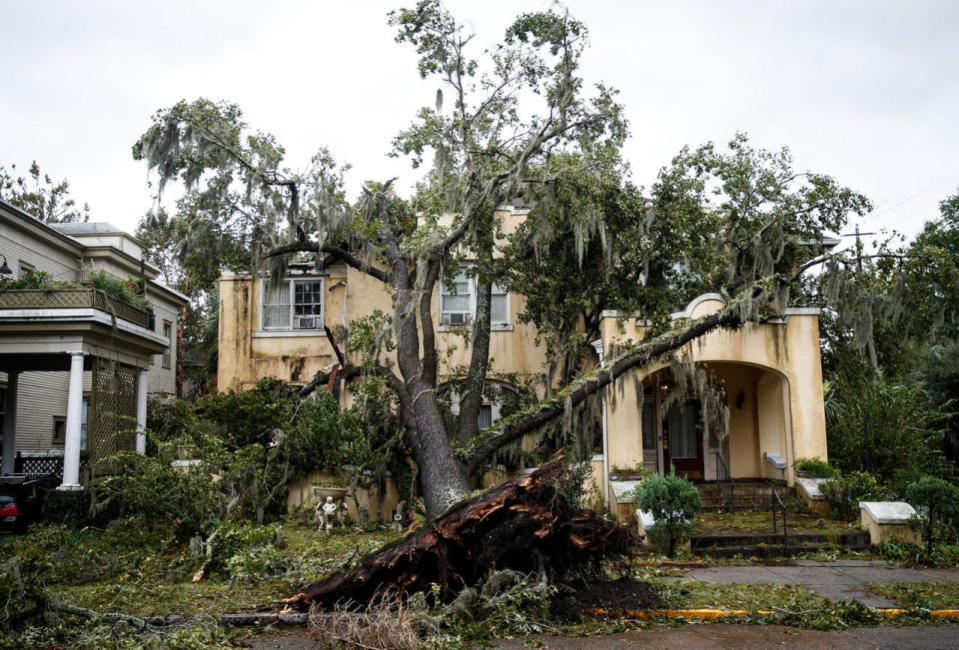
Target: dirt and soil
617, 595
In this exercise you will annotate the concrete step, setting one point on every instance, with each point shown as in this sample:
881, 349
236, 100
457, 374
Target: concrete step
770, 544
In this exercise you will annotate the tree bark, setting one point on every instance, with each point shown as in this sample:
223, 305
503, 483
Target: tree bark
441, 475
472, 394
515, 428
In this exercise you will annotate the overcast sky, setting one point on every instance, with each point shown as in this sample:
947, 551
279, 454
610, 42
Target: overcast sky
864, 91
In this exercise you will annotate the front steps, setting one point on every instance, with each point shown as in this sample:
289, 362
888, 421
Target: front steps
748, 495
770, 545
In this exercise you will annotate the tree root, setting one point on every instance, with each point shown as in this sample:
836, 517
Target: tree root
524, 524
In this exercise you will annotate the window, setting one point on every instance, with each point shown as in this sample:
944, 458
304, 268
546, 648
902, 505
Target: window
458, 302
168, 352
485, 417
26, 269
649, 425
59, 430
292, 305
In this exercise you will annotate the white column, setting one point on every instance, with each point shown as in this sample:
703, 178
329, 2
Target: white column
142, 411
601, 352
10, 423
71, 447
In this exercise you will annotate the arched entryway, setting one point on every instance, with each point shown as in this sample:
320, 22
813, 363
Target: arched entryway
758, 442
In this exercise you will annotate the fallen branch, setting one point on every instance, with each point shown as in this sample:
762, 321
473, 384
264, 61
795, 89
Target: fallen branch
66, 608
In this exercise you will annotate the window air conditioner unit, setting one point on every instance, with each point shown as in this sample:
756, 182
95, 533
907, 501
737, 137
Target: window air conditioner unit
306, 323
455, 318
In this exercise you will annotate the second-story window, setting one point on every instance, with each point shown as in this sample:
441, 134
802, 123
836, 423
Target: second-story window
458, 302
292, 305
168, 350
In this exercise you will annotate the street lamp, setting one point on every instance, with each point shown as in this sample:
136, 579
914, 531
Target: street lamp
4, 269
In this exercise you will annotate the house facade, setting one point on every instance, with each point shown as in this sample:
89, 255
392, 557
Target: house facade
769, 373
73, 358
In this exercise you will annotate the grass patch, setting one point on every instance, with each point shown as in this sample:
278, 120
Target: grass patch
700, 595
919, 595
760, 523
140, 570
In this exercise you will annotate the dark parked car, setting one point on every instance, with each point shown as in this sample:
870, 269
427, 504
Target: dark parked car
21, 501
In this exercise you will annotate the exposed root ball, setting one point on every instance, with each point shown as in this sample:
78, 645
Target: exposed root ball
525, 525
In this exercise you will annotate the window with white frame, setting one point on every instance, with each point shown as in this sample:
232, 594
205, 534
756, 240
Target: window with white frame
458, 302
292, 304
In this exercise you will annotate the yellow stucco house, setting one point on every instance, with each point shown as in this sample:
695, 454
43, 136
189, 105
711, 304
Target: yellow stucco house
770, 372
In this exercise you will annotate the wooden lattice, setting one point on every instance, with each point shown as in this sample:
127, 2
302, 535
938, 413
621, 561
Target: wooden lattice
111, 419
73, 298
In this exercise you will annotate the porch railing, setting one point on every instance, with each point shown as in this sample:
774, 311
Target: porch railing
727, 486
778, 507
73, 298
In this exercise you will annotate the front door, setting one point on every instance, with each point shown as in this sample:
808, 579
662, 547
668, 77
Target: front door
683, 441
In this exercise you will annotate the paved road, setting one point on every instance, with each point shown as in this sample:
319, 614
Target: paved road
714, 636
841, 580
719, 635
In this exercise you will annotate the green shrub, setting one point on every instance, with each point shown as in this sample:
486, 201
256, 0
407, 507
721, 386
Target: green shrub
118, 288
940, 501
905, 429
673, 502
573, 483
843, 494
816, 468
35, 280
187, 499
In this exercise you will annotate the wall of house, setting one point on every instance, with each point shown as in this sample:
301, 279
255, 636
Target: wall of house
42, 396
248, 353
790, 349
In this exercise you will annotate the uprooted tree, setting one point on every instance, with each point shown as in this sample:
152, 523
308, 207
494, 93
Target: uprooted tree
517, 124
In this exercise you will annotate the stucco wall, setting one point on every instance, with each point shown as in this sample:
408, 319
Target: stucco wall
790, 349
248, 353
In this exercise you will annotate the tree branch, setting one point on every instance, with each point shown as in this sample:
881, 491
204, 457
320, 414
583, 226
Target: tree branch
336, 251
515, 427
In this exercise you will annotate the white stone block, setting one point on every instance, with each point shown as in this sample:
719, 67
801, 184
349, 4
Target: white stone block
888, 512
811, 487
774, 459
623, 490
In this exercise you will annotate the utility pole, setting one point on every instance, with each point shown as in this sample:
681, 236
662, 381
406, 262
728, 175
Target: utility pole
857, 235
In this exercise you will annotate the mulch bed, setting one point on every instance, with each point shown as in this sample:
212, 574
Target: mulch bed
617, 595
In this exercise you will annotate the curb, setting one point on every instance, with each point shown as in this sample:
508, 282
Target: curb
718, 614
233, 620
241, 620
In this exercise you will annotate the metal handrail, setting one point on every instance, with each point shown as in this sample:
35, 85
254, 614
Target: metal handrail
724, 479
777, 504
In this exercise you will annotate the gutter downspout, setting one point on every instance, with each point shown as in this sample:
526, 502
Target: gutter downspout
598, 346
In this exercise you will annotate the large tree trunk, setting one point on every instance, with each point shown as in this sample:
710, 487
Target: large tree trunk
442, 478
472, 393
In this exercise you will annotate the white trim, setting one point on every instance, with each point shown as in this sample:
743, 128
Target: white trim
278, 334
82, 314
801, 311
495, 326
687, 313
601, 353
291, 284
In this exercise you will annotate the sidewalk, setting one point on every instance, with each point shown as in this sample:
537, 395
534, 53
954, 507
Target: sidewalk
839, 580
